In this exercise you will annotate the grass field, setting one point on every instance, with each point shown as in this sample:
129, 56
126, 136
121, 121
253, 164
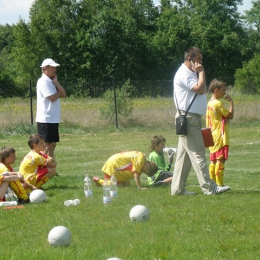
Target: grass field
180, 227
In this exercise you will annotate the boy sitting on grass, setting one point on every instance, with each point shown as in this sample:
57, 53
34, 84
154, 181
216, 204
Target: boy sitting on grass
126, 166
36, 167
10, 178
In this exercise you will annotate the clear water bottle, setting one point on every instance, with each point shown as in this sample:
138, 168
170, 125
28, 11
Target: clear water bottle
10, 196
106, 192
87, 187
113, 187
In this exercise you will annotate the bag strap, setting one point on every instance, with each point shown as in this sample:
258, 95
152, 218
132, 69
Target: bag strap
189, 105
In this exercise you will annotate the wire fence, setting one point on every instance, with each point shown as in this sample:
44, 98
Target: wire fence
119, 104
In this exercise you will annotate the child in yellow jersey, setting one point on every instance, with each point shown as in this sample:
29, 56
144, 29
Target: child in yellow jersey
126, 166
36, 167
8, 177
217, 119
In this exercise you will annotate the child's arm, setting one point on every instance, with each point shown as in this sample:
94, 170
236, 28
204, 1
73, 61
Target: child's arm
10, 176
138, 182
50, 162
30, 186
231, 108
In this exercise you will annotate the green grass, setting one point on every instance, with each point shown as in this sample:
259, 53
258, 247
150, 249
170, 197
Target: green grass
180, 227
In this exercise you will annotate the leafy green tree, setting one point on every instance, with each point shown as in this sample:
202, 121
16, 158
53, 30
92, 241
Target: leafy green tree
247, 78
252, 22
213, 26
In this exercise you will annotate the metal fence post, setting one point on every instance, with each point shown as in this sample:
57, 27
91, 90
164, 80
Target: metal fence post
115, 103
31, 102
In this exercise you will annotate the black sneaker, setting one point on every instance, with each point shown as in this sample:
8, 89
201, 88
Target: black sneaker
22, 201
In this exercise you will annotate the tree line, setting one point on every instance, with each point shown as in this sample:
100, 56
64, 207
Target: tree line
101, 40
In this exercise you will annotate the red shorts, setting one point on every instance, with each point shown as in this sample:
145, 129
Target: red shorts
41, 172
220, 154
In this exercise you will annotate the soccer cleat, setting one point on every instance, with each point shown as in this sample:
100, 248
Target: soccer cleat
188, 193
97, 181
219, 190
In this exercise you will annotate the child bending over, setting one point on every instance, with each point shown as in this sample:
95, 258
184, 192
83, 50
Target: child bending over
37, 167
126, 166
217, 119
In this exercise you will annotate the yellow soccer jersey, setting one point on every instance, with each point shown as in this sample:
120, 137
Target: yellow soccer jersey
4, 169
124, 165
216, 120
30, 163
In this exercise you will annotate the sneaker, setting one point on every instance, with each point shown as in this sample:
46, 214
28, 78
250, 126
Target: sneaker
218, 190
189, 192
22, 201
97, 181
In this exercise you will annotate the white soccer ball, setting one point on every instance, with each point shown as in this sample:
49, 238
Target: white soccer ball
59, 236
37, 196
139, 213
114, 258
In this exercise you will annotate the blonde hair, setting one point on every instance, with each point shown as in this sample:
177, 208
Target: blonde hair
216, 84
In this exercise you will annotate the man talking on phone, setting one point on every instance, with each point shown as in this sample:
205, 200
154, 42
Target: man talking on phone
49, 92
190, 80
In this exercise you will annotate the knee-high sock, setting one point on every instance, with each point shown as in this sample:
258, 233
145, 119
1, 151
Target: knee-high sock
212, 171
219, 172
41, 182
18, 189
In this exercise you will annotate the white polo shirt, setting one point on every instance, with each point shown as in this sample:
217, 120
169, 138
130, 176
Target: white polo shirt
184, 81
47, 111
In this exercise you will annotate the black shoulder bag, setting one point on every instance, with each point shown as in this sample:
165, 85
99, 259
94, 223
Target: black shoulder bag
181, 120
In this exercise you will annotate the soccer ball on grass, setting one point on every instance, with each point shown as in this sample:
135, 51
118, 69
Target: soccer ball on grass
37, 196
139, 213
59, 236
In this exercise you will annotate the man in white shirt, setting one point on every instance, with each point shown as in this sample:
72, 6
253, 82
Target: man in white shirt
190, 80
49, 92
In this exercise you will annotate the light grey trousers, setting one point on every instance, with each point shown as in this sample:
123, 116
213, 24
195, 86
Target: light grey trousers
191, 152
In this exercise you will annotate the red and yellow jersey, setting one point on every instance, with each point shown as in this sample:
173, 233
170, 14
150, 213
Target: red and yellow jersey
123, 165
31, 163
218, 123
4, 169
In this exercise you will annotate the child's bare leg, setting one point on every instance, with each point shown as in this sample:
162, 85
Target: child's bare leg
51, 172
3, 189
168, 180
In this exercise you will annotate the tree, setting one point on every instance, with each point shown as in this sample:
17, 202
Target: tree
213, 26
247, 78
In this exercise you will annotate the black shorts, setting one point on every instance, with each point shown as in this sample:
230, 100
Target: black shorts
164, 175
49, 132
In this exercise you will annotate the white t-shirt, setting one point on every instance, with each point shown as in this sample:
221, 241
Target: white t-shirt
47, 111
184, 81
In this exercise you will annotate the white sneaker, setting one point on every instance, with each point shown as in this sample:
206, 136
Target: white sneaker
188, 192
218, 190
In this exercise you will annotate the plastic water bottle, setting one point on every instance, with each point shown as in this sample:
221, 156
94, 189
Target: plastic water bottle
10, 196
113, 187
8, 203
106, 192
87, 187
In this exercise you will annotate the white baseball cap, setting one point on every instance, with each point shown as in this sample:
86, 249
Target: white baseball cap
49, 62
